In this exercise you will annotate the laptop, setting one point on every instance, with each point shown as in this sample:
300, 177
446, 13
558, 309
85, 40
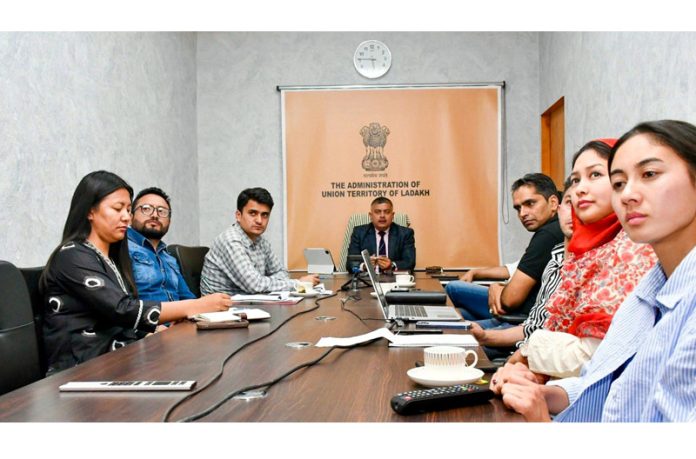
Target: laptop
407, 312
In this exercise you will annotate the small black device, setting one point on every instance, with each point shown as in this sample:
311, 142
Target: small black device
440, 398
445, 277
211, 325
424, 331
463, 325
488, 368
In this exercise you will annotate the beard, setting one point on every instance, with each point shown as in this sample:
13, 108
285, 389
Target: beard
150, 232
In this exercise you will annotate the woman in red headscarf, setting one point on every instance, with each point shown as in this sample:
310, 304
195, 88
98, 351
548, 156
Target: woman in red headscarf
603, 266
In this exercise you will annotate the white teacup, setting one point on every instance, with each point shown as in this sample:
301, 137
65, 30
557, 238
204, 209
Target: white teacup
448, 357
404, 279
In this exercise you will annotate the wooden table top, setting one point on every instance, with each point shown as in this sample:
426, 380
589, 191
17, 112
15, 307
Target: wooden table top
348, 385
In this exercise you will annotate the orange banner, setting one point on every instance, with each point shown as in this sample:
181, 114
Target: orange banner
433, 151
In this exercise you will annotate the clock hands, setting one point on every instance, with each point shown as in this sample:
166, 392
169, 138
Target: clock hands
373, 59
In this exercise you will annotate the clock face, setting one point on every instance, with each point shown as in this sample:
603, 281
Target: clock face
372, 59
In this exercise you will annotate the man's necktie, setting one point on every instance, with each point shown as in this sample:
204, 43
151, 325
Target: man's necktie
382, 251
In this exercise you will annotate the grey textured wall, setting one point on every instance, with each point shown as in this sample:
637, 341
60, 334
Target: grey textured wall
611, 81
239, 125
71, 103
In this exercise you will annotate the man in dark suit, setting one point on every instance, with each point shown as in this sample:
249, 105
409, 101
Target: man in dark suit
392, 246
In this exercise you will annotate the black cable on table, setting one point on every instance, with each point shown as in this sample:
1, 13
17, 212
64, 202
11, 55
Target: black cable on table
267, 385
362, 319
169, 411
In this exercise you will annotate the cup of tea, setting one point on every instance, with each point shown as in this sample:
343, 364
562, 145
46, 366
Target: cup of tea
404, 279
449, 357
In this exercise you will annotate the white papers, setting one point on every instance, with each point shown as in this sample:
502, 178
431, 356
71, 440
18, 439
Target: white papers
433, 340
273, 296
402, 340
232, 315
329, 342
222, 316
268, 298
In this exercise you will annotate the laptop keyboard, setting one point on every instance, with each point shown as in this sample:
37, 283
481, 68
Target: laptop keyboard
409, 310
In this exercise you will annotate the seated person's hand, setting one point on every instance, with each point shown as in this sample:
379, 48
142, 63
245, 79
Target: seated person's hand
504, 373
526, 397
517, 357
313, 278
468, 276
478, 332
384, 263
495, 292
214, 302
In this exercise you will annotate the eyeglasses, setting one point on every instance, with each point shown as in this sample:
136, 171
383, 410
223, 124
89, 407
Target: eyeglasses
147, 210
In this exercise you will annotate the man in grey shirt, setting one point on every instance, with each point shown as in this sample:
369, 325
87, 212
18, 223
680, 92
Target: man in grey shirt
241, 259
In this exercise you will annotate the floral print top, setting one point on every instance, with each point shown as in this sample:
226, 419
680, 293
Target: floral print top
594, 284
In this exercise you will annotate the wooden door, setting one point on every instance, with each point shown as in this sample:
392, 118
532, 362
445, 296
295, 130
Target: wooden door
553, 143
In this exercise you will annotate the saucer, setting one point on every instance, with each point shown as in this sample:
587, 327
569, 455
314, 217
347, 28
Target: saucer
373, 294
434, 377
406, 284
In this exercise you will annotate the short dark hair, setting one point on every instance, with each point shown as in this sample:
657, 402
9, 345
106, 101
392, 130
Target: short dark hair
567, 185
541, 182
152, 190
260, 195
680, 136
381, 200
603, 149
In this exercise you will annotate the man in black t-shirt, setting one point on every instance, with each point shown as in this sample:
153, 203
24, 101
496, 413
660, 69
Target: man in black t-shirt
535, 199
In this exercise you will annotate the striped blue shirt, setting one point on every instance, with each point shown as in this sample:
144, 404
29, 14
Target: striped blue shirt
659, 383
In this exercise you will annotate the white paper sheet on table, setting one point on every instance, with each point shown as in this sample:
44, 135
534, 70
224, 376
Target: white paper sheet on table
402, 340
232, 315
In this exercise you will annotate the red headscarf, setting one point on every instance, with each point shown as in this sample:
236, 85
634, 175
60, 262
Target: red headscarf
588, 236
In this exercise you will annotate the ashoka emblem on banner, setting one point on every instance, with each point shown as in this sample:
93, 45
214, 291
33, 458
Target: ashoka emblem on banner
374, 138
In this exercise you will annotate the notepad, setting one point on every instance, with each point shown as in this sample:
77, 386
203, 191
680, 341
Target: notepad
232, 315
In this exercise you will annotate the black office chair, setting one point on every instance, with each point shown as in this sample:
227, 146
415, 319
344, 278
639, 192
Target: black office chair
191, 263
31, 277
19, 349
514, 319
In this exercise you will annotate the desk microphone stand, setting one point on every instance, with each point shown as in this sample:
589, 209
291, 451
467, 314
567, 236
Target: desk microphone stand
352, 284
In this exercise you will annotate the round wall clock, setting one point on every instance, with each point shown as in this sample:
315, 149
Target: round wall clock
372, 59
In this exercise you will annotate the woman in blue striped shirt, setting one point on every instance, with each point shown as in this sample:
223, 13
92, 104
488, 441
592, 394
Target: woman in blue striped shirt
645, 369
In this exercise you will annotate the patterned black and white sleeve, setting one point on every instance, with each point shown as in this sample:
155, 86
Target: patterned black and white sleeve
83, 274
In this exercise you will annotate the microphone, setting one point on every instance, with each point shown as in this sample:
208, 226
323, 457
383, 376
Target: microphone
352, 283
354, 289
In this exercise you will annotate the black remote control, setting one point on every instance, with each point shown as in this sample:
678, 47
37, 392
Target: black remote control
440, 398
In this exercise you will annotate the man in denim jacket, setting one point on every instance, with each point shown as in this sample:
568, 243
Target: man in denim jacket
156, 272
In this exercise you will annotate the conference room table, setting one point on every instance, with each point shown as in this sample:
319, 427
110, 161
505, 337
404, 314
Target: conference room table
354, 385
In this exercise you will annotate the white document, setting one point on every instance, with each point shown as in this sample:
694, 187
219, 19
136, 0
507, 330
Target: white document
402, 340
267, 298
273, 296
232, 315
433, 340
